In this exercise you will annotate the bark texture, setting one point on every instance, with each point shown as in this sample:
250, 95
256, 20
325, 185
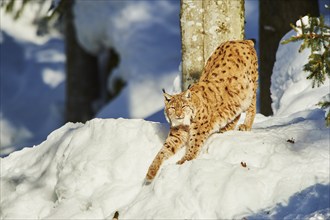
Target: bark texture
204, 25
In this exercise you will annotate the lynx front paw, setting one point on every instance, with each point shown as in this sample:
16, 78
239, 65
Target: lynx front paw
184, 159
150, 175
243, 127
181, 161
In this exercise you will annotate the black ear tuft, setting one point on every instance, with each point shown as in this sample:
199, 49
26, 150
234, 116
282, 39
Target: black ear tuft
167, 96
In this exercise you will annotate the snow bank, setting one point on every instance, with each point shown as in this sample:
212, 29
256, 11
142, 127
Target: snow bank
91, 170
146, 35
96, 165
290, 90
279, 170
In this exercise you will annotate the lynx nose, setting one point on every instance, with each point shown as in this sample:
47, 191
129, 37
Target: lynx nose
179, 115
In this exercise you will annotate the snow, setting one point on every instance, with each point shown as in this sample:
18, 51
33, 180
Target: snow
303, 21
146, 35
290, 90
25, 29
32, 61
32, 80
279, 170
92, 170
131, 28
32, 91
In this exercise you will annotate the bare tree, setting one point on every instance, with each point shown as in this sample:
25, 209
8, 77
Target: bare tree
82, 84
204, 25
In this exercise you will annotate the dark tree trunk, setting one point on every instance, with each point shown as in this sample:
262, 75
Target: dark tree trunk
82, 87
274, 20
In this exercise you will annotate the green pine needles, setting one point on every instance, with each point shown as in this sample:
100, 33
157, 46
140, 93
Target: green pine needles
42, 20
316, 36
326, 105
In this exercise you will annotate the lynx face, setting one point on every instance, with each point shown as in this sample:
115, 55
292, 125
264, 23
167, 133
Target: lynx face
178, 108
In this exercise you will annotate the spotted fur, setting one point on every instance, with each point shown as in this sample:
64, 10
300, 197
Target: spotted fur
227, 87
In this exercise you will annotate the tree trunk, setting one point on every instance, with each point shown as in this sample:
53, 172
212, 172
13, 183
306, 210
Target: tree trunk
82, 84
204, 25
275, 17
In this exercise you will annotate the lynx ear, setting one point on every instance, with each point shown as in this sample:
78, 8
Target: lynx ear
167, 96
187, 94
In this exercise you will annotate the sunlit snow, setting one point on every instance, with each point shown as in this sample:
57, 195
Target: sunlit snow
279, 170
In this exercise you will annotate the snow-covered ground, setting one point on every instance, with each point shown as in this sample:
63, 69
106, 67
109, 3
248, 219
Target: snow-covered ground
88, 171
279, 170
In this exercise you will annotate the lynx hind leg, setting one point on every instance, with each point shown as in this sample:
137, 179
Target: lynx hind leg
176, 139
250, 114
230, 126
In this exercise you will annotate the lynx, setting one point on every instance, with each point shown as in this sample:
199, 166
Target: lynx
227, 87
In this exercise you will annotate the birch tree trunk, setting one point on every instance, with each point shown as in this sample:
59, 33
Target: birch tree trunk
204, 25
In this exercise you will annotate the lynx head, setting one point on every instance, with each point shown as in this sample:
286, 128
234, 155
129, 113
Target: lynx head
179, 108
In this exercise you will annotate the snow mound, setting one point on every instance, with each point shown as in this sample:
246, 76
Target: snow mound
91, 170
290, 90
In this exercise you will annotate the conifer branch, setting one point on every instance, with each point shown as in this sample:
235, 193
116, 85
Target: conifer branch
315, 35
